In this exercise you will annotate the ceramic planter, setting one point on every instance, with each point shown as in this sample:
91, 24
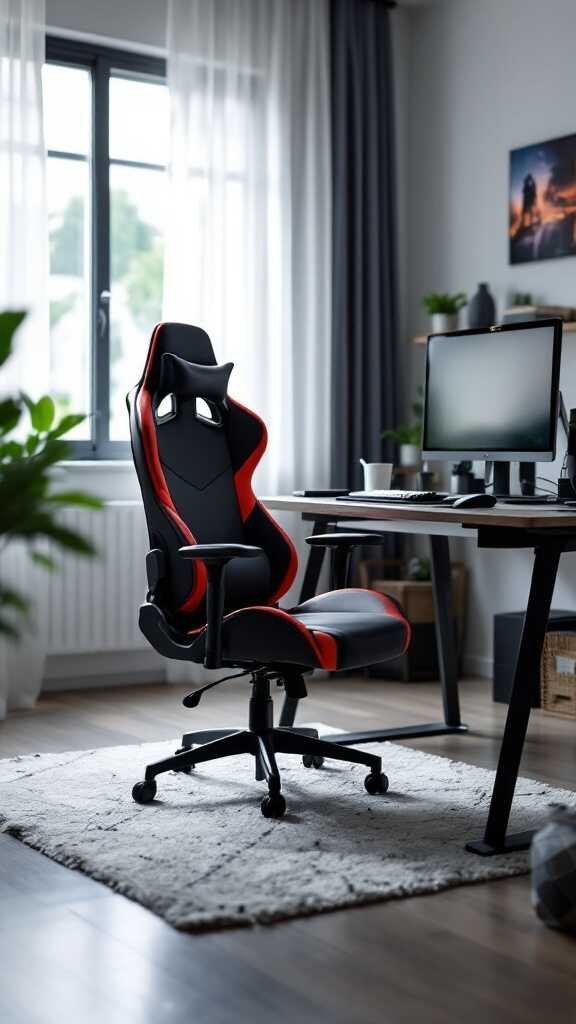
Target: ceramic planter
22, 662
441, 322
409, 455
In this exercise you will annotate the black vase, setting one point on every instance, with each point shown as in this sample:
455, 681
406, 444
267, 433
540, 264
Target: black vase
481, 308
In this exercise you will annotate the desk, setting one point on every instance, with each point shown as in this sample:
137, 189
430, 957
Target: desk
549, 531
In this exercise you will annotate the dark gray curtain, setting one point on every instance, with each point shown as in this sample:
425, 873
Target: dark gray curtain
364, 315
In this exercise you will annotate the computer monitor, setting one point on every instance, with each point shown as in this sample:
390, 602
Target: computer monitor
493, 394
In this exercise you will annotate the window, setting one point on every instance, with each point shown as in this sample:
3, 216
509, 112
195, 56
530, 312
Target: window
106, 124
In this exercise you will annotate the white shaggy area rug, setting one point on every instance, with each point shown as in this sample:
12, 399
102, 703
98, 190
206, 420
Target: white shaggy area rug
202, 856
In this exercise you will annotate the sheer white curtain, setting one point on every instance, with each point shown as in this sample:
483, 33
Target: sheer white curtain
248, 240
23, 219
23, 274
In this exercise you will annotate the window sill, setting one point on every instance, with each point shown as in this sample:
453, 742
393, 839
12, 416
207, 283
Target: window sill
92, 464
109, 479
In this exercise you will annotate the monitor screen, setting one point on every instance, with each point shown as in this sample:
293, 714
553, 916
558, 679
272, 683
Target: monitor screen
493, 394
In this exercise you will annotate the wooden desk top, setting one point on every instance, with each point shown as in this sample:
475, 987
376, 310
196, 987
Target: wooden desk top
535, 517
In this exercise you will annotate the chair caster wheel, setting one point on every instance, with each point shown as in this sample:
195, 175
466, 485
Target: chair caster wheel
144, 792
273, 806
190, 767
312, 760
376, 782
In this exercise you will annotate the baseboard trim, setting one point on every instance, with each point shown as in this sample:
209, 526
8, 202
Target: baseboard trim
102, 668
478, 665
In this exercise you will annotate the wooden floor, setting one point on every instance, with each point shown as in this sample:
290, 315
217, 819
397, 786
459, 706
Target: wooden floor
70, 949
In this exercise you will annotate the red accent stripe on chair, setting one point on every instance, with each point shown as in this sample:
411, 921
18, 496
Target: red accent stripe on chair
243, 476
292, 569
328, 649
150, 445
247, 501
319, 649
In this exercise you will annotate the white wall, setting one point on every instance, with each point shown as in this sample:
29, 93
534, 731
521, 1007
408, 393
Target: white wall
485, 77
135, 21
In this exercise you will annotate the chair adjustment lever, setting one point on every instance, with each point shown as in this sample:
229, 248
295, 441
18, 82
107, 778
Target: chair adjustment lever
192, 700
294, 686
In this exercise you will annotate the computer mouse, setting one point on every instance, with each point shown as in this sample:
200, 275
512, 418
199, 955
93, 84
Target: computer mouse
475, 501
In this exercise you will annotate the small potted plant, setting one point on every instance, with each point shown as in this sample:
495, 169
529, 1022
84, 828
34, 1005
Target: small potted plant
408, 436
443, 309
522, 299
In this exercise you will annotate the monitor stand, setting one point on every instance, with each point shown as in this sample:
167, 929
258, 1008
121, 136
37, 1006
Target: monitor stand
501, 474
501, 485
501, 479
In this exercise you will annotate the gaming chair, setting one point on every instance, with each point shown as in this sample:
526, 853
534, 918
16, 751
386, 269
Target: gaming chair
218, 565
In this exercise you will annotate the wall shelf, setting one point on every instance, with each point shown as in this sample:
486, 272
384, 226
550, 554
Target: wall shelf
569, 327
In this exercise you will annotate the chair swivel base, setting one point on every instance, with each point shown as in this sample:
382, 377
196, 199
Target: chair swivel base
263, 744
193, 739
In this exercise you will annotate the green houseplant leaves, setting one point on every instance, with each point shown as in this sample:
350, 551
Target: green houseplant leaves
439, 302
29, 501
9, 323
409, 433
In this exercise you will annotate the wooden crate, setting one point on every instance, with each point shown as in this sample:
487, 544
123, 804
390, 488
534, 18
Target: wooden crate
558, 674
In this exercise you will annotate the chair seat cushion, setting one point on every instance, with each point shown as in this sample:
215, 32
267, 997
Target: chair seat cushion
343, 629
368, 627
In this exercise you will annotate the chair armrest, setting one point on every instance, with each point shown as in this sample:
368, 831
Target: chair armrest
350, 540
341, 546
216, 558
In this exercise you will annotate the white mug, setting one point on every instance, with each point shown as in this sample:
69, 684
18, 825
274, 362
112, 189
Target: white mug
377, 475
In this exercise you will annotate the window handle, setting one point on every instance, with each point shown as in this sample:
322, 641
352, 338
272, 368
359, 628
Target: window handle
103, 307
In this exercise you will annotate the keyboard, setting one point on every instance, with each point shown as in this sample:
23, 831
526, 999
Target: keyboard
397, 497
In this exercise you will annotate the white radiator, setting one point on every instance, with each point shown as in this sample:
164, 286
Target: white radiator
91, 604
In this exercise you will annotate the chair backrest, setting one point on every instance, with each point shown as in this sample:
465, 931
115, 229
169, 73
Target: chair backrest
195, 450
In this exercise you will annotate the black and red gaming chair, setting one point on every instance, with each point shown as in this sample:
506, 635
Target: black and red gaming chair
219, 564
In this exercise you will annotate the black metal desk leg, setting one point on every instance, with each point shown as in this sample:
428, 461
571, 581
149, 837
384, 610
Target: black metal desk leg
526, 675
445, 633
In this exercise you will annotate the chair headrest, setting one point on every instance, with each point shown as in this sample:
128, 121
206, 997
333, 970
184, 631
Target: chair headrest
193, 380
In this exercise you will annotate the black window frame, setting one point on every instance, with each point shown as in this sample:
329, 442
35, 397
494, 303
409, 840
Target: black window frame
101, 61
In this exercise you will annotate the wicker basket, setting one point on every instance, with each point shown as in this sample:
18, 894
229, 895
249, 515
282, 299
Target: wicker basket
558, 674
